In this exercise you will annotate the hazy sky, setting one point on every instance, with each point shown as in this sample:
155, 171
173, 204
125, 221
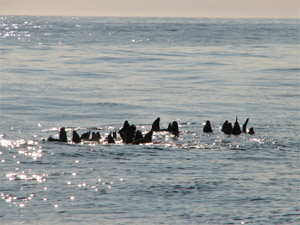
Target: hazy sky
162, 8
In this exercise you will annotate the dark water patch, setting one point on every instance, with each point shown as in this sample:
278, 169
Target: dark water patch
259, 199
118, 105
38, 162
289, 70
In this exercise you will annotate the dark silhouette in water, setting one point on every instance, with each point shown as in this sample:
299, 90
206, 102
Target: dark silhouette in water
129, 135
75, 137
170, 128
96, 136
224, 126
138, 137
228, 129
114, 134
175, 129
52, 139
110, 139
245, 126
236, 130
155, 125
85, 136
251, 131
63, 135
124, 130
148, 137
207, 127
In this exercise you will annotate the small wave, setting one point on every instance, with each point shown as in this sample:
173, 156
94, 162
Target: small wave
282, 70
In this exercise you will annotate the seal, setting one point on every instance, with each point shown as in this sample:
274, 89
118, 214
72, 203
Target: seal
175, 129
224, 125
96, 136
138, 137
63, 135
110, 139
85, 136
207, 127
228, 129
251, 131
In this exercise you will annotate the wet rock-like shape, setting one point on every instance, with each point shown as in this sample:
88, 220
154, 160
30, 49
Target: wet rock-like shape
110, 139
236, 130
224, 126
207, 127
155, 125
228, 129
251, 131
245, 126
63, 135
75, 137
85, 136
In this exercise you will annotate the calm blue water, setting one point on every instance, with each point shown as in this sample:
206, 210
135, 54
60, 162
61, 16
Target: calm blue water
95, 73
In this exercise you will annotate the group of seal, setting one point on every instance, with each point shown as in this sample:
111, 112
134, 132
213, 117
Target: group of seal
130, 135
228, 129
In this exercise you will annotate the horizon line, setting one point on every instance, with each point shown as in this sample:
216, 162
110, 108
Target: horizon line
91, 16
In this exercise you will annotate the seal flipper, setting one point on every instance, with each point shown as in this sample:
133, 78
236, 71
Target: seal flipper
236, 130
114, 134
245, 126
148, 137
75, 137
155, 125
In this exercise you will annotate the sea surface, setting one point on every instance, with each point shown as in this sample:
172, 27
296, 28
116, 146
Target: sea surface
92, 74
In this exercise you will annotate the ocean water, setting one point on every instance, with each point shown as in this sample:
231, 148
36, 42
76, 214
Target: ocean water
92, 74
